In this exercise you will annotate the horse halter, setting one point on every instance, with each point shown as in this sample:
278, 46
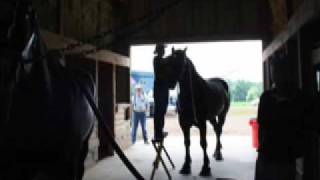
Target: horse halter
186, 69
24, 31
180, 56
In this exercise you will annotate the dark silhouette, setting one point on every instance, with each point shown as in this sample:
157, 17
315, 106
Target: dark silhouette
280, 116
199, 100
160, 91
46, 120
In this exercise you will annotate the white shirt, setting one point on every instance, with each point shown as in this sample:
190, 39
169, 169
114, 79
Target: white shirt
140, 103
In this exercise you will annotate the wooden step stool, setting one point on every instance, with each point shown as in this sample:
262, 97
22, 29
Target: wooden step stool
159, 147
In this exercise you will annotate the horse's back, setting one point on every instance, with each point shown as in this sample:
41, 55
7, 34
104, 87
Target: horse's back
49, 118
217, 95
68, 84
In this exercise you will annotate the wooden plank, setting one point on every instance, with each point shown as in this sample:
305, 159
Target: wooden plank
309, 10
280, 18
106, 105
55, 41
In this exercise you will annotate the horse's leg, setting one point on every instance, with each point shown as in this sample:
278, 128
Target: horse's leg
186, 168
221, 119
205, 171
216, 128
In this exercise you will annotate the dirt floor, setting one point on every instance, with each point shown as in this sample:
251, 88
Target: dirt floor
237, 149
238, 164
237, 123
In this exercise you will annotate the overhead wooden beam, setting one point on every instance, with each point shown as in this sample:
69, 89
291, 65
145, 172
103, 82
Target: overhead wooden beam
308, 10
55, 41
280, 15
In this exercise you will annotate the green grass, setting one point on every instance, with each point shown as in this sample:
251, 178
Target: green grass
240, 104
242, 109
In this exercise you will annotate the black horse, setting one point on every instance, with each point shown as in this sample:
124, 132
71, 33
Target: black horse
46, 120
199, 100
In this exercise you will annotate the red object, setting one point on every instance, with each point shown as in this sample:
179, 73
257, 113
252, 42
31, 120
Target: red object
255, 132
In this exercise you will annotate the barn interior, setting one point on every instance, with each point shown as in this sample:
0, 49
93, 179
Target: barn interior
96, 36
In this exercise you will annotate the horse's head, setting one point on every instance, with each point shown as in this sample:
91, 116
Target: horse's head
17, 24
177, 65
19, 39
17, 30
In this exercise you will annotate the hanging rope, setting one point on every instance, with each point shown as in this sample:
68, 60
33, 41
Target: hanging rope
109, 136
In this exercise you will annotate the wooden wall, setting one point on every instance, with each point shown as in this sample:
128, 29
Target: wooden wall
300, 42
78, 19
194, 20
282, 11
111, 73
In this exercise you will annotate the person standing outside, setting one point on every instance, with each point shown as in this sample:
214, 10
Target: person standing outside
140, 106
161, 92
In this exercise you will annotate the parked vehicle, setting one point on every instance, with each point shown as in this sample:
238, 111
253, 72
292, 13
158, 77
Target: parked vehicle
172, 108
150, 111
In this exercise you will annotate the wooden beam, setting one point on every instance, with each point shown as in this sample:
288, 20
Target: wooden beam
54, 41
60, 10
309, 10
280, 15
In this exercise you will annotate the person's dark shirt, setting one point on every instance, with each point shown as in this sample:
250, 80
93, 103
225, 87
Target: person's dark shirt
280, 121
159, 65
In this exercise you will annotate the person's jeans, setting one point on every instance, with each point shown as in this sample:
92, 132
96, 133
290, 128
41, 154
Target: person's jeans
161, 96
139, 117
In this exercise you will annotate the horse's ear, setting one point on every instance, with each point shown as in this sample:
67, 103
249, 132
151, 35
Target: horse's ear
185, 49
172, 50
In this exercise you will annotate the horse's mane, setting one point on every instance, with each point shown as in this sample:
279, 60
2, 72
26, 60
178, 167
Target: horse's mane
193, 69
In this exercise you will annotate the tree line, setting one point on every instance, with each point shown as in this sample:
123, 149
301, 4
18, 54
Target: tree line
244, 91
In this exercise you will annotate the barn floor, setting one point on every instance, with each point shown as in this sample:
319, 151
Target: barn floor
239, 163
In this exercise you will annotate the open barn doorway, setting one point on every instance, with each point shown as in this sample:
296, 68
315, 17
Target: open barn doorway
240, 64
237, 62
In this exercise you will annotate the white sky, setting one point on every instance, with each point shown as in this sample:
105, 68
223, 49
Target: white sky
233, 60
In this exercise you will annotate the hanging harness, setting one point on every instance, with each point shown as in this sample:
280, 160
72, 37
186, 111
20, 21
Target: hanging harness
27, 58
105, 127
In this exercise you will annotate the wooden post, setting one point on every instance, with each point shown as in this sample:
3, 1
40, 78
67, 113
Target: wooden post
60, 16
106, 106
311, 147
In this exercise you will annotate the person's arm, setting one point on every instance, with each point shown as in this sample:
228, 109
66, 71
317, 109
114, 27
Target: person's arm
260, 109
146, 102
261, 117
133, 102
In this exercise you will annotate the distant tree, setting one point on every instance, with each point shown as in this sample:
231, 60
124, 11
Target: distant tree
254, 92
242, 90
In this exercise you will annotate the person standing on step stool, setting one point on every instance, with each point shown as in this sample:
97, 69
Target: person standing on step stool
161, 92
140, 106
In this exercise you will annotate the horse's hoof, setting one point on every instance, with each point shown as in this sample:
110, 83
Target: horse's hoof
218, 156
205, 172
185, 170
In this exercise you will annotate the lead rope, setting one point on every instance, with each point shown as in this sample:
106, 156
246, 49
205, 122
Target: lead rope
194, 110
109, 136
